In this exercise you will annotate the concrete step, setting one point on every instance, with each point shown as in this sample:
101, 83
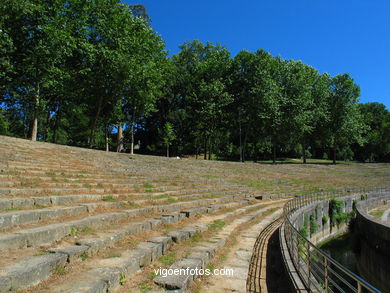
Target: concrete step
55, 232
24, 273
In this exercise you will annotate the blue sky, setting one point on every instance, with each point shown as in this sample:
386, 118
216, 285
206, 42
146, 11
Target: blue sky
332, 36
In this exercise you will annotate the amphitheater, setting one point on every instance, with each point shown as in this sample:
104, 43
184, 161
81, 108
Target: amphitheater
78, 220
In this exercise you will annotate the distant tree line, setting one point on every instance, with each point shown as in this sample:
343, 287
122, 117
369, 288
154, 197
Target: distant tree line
94, 74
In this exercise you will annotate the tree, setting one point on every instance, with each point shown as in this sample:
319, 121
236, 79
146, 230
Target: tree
377, 138
167, 135
303, 111
345, 124
40, 40
204, 71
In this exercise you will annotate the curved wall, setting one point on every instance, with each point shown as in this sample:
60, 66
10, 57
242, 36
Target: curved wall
374, 237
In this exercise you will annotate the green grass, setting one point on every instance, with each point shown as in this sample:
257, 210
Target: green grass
377, 214
168, 259
109, 198
74, 231
122, 279
12, 209
84, 257
171, 200
216, 225
37, 206
145, 286
148, 185
41, 253
61, 271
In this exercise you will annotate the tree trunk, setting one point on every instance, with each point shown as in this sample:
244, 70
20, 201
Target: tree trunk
47, 126
205, 149
132, 138
107, 144
304, 151
95, 120
334, 153
132, 132
34, 128
120, 138
274, 150
244, 145
254, 152
210, 147
239, 121
56, 125
167, 150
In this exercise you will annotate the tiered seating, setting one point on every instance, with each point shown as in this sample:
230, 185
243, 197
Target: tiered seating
63, 208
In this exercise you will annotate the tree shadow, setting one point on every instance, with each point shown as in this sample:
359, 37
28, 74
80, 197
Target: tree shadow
276, 277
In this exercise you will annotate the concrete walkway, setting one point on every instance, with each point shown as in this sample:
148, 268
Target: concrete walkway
238, 259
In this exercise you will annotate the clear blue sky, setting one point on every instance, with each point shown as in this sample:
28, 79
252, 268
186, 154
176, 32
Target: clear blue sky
334, 36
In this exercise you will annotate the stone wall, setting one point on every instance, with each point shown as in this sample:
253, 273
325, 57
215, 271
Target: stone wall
320, 211
373, 230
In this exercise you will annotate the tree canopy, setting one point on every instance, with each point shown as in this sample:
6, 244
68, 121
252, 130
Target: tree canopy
95, 74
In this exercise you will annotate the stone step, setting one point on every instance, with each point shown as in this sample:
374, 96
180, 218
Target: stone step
24, 273
109, 272
202, 255
55, 232
14, 218
16, 203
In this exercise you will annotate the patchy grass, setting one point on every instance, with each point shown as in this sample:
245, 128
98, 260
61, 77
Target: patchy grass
216, 225
168, 259
145, 286
109, 198
148, 185
376, 214
171, 200
61, 271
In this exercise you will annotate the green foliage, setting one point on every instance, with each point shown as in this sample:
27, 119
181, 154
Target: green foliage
122, 279
82, 69
325, 219
337, 214
305, 227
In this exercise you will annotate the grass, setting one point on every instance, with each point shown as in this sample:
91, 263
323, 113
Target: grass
145, 286
168, 259
122, 279
84, 256
148, 185
109, 198
74, 231
37, 206
12, 209
216, 225
171, 200
60, 271
376, 214
40, 253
